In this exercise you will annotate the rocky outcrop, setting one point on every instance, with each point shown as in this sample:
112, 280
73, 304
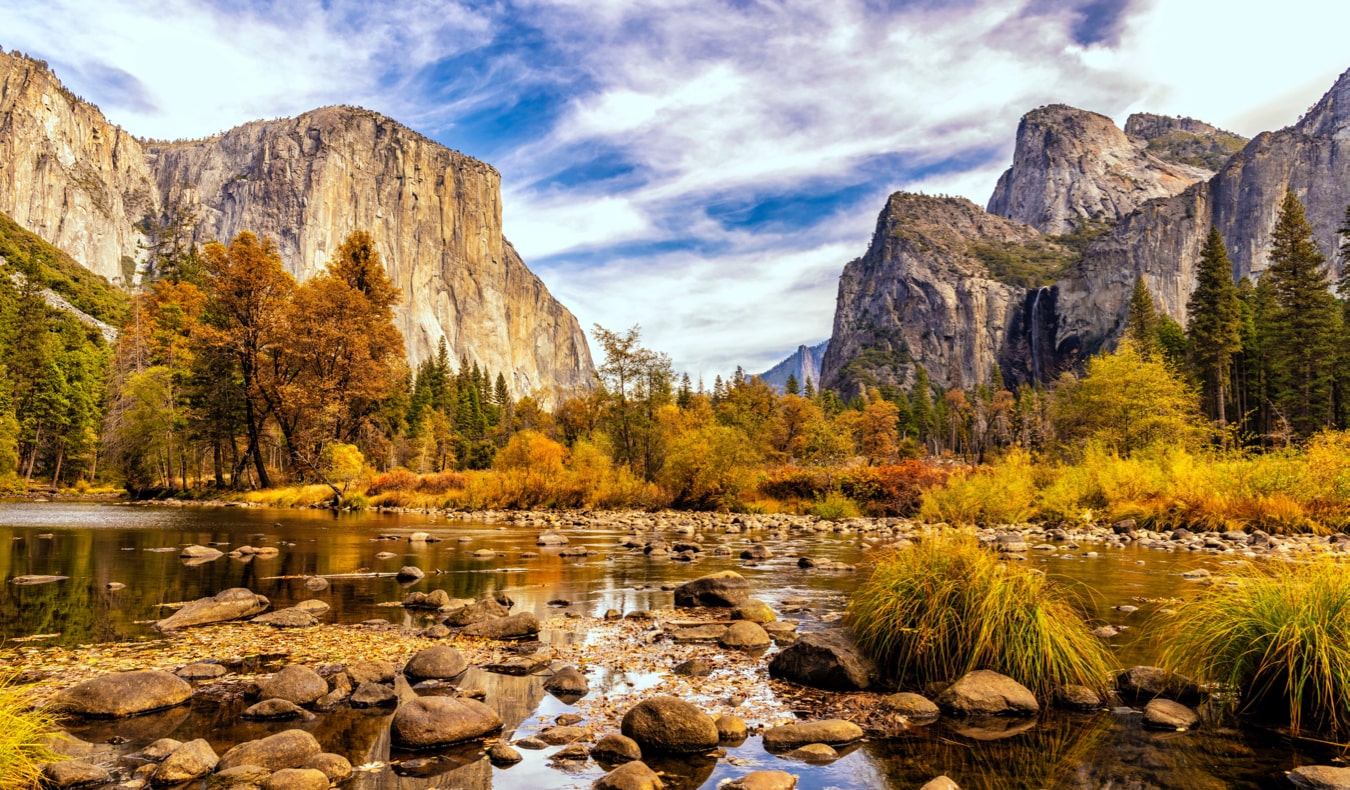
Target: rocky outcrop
804, 364
1071, 165
88, 186
924, 293
1184, 141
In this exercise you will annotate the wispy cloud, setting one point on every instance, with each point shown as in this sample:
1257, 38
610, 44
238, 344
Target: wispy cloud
702, 168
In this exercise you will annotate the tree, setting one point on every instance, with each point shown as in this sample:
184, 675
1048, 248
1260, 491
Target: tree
1214, 329
878, 437
1141, 319
636, 382
792, 387
1304, 326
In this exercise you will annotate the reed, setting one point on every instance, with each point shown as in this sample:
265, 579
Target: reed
947, 606
1276, 633
25, 737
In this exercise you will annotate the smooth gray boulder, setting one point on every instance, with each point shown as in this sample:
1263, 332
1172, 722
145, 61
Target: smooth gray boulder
233, 604
428, 722
726, 589
670, 725
826, 660
124, 694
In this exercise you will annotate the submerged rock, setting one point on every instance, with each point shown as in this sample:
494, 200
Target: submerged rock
232, 604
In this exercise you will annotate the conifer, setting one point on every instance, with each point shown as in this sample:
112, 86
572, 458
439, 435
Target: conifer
1215, 323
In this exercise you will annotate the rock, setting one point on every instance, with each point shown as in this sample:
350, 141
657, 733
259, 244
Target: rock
757, 551
567, 682
232, 604
189, 761
710, 632
532, 743
485, 609
294, 683
762, 780
334, 766
124, 694
557, 736
419, 537
440, 721
986, 693
727, 588
745, 635
825, 660
372, 695
442, 662
201, 671
70, 774
914, 706
501, 753
287, 618
37, 579
551, 539
1164, 714
754, 611
630, 776
573, 752
731, 730
669, 725
409, 573
833, 732
114, 586
240, 777
615, 749
195, 552
296, 779
316, 584
1320, 777
437, 631
1141, 684
940, 783
274, 710
694, 668
159, 750
385, 555
814, 753
286, 749
370, 672
515, 626
1078, 698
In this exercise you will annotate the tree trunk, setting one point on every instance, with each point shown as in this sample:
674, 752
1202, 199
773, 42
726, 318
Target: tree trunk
32, 457
215, 463
255, 445
60, 456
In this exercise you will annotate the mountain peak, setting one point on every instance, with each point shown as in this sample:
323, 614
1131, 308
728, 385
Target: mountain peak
1330, 117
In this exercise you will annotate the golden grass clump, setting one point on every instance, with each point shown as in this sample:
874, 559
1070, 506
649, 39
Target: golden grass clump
947, 606
1277, 633
25, 735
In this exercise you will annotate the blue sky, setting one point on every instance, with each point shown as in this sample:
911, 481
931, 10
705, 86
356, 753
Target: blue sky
704, 169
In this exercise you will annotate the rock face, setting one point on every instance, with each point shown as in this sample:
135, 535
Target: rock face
804, 364
1072, 165
231, 604
436, 216
944, 285
124, 694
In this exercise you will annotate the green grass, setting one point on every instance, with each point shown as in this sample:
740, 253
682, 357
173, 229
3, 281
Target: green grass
1029, 265
25, 735
947, 606
44, 264
1278, 634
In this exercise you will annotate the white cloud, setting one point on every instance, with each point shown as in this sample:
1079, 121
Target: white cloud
562, 225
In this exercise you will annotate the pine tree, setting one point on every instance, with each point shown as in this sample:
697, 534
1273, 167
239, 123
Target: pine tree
684, 396
1141, 321
810, 390
1215, 326
922, 408
1305, 325
792, 387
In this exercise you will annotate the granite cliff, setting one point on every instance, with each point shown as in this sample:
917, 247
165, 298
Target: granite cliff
88, 187
804, 363
1037, 303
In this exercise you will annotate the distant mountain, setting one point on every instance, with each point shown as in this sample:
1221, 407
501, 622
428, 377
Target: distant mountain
804, 364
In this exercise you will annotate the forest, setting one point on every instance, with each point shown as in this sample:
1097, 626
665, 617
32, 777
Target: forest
230, 379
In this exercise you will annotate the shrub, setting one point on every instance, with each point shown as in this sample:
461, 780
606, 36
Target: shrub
24, 737
834, 507
440, 483
1278, 635
395, 480
796, 482
947, 606
1004, 493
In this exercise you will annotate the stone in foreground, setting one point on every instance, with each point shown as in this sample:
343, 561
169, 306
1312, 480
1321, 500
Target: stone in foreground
670, 725
630, 776
191, 760
825, 660
986, 693
232, 604
832, 732
71, 774
1320, 777
763, 780
428, 722
295, 683
616, 749
1164, 714
287, 749
442, 662
727, 588
124, 694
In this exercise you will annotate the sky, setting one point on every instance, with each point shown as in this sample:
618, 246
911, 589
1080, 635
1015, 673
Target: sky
703, 169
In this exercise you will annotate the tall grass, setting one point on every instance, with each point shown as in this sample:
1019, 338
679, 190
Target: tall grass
25, 735
1279, 636
947, 606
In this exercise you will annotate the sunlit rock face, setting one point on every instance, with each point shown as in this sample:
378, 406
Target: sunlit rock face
306, 182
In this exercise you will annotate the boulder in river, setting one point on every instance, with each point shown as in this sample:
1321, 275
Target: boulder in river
745, 635
1320, 777
754, 611
727, 588
670, 725
195, 552
71, 774
428, 722
516, 626
191, 760
630, 776
567, 682
409, 573
833, 732
910, 705
484, 609
232, 604
124, 694
615, 749
1140, 684
762, 780
286, 749
826, 660
987, 693
296, 779
274, 710
294, 683
1164, 714
293, 617
441, 662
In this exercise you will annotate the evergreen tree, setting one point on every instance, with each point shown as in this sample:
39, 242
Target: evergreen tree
684, 397
1141, 321
1215, 324
1305, 325
810, 391
792, 387
922, 408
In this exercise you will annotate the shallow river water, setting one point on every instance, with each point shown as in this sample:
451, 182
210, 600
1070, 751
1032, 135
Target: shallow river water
138, 546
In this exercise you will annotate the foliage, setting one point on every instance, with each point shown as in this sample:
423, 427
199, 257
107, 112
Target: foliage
1215, 328
342, 463
1141, 319
1025, 265
1279, 634
48, 267
25, 734
947, 606
1002, 493
891, 489
1209, 151
834, 507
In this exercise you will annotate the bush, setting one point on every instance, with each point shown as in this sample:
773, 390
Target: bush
395, 480
1278, 635
891, 489
796, 482
834, 507
1004, 493
947, 606
24, 737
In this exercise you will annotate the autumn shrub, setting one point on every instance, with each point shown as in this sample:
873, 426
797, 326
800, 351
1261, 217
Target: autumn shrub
796, 482
1001, 493
1278, 634
396, 480
707, 467
834, 507
890, 489
530, 471
947, 605
25, 737
440, 483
